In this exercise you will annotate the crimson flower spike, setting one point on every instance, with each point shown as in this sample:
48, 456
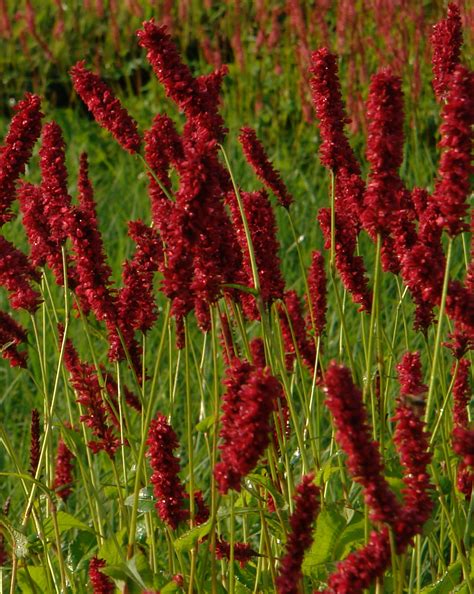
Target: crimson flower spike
249, 400
16, 275
294, 332
335, 152
455, 168
243, 552
101, 583
24, 131
105, 107
35, 445
317, 301
167, 486
63, 475
256, 155
446, 40
409, 375
344, 400
12, 335
300, 537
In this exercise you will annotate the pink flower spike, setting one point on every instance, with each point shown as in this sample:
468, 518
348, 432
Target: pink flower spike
105, 107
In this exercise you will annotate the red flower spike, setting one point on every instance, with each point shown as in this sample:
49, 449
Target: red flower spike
12, 334
105, 107
446, 40
350, 266
344, 400
35, 445
383, 196
101, 583
249, 400
243, 552
24, 131
410, 375
461, 393
335, 152
412, 445
167, 486
361, 568
257, 157
85, 191
463, 445
317, 301
63, 477
84, 380
262, 225
455, 168
301, 536
16, 275
295, 335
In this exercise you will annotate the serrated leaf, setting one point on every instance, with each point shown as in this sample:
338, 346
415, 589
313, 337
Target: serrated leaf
112, 550
329, 526
186, 542
447, 583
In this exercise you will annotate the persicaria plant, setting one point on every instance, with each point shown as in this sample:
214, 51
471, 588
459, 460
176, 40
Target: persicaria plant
194, 421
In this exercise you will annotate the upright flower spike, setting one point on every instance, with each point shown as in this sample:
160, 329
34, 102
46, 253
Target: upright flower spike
11, 336
300, 537
455, 168
261, 222
63, 474
344, 400
105, 107
243, 552
85, 191
461, 398
317, 301
383, 196
446, 40
410, 375
101, 583
35, 445
24, 131
167, 486
335, 152
256, 155
294, 332
249, 400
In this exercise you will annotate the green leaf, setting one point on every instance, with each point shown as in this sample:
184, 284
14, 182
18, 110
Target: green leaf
37, 575
170, 588
65, 522
352, 537
447, 583
146, 501
186, 542
112, 550
206, 424
329, 527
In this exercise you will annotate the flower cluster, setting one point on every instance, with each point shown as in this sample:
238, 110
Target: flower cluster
16, 275
300, 537
257, 157
410, 375
35, 445
455, 168
85, 382
294, 331
249, 400
167, 486
461, 397
63, 476
105, 107
317, 298
12, 335
24, 131
101, 583
261, 222
243, 552
344, 400
446, 40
